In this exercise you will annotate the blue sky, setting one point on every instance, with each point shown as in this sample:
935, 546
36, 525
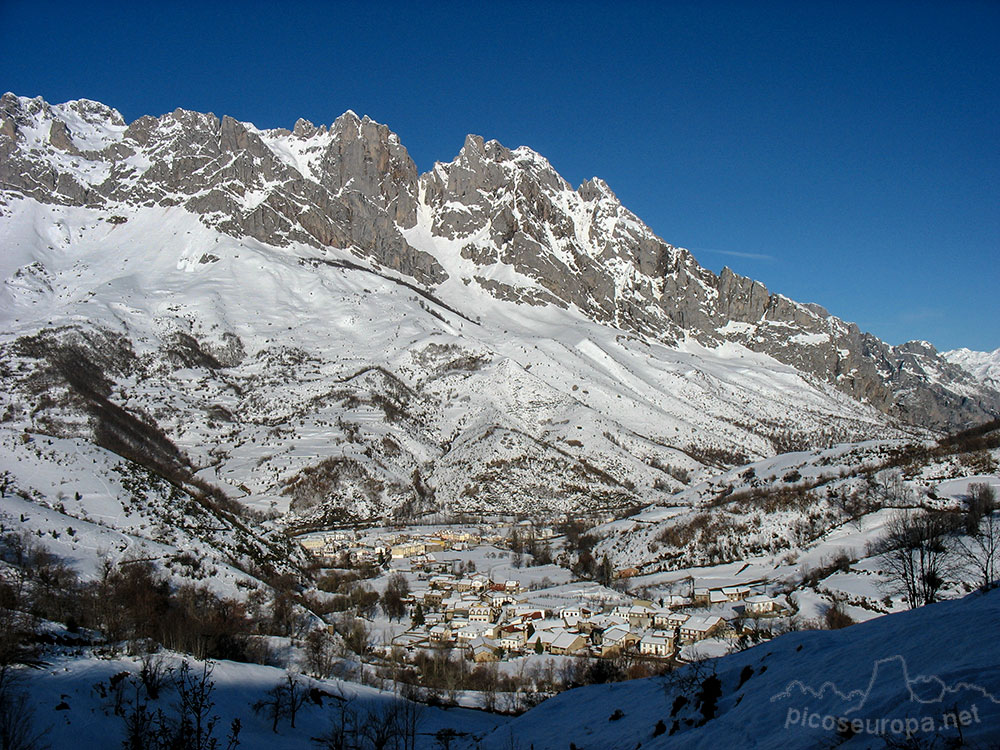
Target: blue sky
842, 153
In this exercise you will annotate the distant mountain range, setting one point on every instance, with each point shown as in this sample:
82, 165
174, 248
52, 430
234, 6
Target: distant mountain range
299, 321
984, 366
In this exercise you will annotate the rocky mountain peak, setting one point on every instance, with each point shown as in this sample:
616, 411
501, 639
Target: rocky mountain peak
303, 128
366, 157
596, 189
92, 113
523, 234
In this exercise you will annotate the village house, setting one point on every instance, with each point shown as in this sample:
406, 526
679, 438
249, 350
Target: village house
676, 619
736, 593
545, 637
716, 597
312, 544
572, 611
407, 549
661, 618
617, 639
441, 633
456, 535
587, 625
604, 622
574, 624
761, 604
656, 643
483, 612
512, 638
640, 616
567, 643
526, 612
432, 598
500, 598
475, 630
444, 582
699, 627
484, 650
456, 607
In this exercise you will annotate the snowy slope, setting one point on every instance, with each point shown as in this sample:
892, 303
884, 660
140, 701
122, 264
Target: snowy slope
493, 224
985, 366
261, 362
920, 666
801, 524
74, 699
923, 671
298, 322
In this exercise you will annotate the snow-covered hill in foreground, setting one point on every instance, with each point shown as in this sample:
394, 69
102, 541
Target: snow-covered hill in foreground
925, 672
933, 672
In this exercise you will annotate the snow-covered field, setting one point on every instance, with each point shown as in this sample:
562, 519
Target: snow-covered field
74, 698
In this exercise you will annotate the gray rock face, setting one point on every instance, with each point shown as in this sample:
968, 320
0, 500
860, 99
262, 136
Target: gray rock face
585, 249
367, 158
354, 186
364, 185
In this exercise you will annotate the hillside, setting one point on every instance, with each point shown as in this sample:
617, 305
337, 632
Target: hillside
926, 671
305, 325
911, 671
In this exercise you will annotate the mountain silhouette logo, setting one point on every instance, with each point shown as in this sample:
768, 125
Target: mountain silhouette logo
890, 675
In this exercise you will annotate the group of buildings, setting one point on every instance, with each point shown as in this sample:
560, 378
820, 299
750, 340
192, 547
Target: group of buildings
454, 606
361, 546
499, 619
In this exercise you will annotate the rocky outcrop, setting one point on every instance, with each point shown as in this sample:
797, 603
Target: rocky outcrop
354, 186
586, 250
223, 171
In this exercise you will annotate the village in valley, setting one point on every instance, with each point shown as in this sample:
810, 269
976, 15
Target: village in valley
480, 590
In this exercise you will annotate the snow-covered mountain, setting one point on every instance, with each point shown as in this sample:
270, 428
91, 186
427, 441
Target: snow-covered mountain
984, 366
298, 320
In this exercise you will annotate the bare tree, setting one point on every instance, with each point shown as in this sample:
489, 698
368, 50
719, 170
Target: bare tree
356, 635
384, 725
17, 715
283, 701
379, 726
343, 731
396, 590
321, 653
979, 549
153, 673
192, 724
296, 694
196, 723
918, 556
490, 685
409, 714
888, 489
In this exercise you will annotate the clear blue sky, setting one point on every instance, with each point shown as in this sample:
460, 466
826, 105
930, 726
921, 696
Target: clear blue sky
842, 153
